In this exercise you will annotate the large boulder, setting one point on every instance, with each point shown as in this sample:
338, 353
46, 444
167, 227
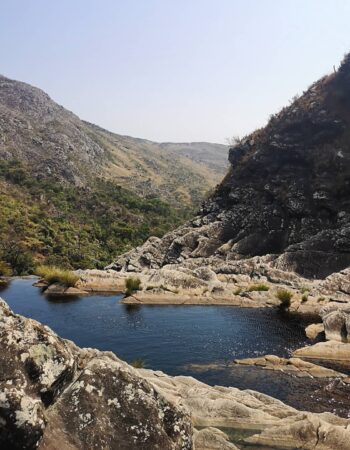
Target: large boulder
55, 395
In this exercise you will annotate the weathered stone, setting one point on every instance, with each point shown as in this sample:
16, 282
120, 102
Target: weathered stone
314, 330
55, 395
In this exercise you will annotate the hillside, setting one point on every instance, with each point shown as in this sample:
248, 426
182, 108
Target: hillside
74, 194
285, 199
54, 142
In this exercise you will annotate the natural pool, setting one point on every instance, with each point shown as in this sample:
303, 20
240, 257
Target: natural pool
170, 338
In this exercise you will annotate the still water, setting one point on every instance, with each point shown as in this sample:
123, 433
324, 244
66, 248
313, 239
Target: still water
171, 338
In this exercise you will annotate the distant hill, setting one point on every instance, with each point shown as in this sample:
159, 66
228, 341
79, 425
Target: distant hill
54, 142
74, 194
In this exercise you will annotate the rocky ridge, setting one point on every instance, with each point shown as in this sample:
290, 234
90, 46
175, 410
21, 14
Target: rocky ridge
285, 200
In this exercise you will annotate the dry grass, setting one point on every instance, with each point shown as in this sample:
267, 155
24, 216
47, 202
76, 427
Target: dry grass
53, 274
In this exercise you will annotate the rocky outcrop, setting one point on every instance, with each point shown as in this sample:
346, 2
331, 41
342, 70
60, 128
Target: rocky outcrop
329, 350
336, 321
286, 195
292, 366
314, 330
55, 395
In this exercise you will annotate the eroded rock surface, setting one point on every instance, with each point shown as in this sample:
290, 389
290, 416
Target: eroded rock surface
55, 395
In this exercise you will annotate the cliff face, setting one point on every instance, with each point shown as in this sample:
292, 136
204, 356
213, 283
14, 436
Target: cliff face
287, 193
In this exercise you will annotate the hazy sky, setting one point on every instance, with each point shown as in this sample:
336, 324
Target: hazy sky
173, 70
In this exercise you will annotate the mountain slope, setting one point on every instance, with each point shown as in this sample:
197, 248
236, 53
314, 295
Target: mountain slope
287, 194
74, 194
56, 143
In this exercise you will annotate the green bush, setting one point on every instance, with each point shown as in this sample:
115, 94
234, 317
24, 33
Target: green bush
138, 363
53, 274
237, 291
304, 298
258, 287
5, 269
132, 285
285, 298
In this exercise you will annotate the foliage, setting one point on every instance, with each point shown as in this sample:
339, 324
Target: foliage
237, 291
5, 269
132, 284
285, 298
138, 363
53, 274
304, 298
43, 221
258, 287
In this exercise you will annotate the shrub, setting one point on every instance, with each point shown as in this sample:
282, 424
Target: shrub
285, 297
237, 291
138, 363
5, 269
304, 298
258, 287
305, 289
321, 299
132, 285
53, 274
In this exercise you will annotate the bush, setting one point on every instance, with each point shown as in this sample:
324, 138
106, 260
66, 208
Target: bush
285, 297
138, 363
304, 298
53, 274
237, 291
258, 287
132, 285
5, 269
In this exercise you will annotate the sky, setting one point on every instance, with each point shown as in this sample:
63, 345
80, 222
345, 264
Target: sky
173, 70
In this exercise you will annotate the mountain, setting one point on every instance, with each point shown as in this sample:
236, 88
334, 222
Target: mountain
56, 143
74, 194
285, 198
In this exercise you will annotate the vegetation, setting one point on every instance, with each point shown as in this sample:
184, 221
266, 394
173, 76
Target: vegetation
47, 222
237, 291
258, 287
53, 274
285, 298
132, 285
304, 298
138, 363
5, 269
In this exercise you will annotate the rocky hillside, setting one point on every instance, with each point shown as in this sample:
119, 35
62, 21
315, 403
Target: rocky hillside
285, 199
54, 142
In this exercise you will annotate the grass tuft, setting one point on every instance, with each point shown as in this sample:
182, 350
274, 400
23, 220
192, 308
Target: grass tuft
138, 363
285, 298
132, 285
53, 274
258, 287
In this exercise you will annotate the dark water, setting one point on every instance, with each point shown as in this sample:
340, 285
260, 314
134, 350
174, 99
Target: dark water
170, 338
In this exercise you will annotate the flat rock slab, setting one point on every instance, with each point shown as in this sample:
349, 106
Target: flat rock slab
293, 366
329, 350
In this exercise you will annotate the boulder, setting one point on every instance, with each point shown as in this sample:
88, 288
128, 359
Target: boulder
314, 330
55, 395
